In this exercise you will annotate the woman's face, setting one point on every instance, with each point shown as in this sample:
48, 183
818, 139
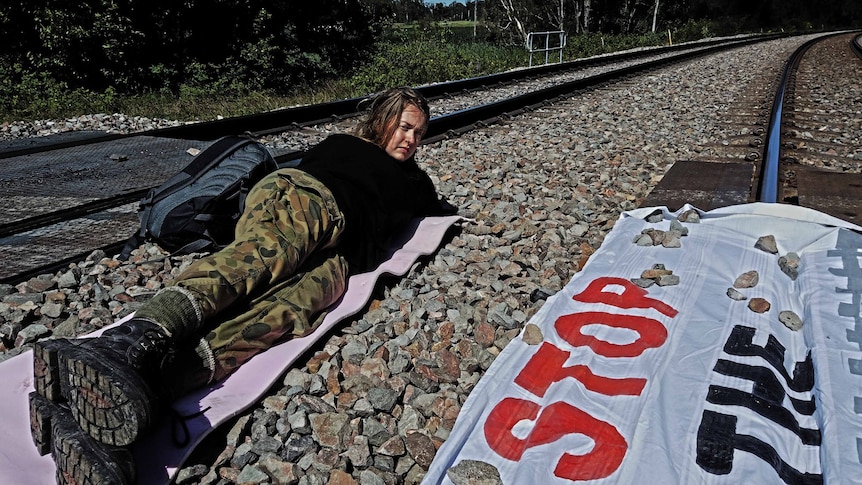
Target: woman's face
404, 140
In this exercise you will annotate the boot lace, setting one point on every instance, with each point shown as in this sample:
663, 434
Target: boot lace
151, 348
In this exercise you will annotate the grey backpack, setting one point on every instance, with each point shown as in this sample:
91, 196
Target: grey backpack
197, 209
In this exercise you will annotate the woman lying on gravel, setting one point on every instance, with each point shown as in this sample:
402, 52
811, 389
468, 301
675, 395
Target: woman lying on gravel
303, 232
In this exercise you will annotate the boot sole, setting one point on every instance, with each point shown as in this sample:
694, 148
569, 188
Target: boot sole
80, 459
109, 400
106, 398
46, 368
40, 422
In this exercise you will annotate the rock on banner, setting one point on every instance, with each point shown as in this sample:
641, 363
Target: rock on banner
680, 383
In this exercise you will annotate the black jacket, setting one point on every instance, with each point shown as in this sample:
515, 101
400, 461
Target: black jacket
377, 194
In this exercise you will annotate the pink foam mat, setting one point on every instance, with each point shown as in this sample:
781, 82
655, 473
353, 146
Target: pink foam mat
158, 458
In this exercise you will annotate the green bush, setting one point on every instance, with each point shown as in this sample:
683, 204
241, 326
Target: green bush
593, 44
31, 95
137, 46
412, 63
693, 30
412, 55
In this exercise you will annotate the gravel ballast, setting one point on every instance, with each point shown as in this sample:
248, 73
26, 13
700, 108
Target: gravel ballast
372, 403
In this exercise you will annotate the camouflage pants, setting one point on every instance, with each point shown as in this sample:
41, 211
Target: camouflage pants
277, 276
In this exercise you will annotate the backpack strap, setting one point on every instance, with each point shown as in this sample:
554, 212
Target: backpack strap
132, 243
194, 246
209, 156
215, 153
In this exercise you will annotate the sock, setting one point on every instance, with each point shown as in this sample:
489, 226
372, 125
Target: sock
175, 309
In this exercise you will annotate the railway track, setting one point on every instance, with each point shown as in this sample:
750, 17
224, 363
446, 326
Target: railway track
294, 118
545, 188
820, 154
79, 192
792, 152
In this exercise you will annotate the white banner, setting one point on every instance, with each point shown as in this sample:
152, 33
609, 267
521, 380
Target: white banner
681, 383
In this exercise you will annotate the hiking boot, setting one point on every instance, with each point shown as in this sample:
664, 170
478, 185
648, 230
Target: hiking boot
79, 458
111, 383
41, 412
46, 368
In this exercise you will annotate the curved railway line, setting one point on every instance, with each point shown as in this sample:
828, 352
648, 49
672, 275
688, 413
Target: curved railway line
65, 196
545, 181
798, 154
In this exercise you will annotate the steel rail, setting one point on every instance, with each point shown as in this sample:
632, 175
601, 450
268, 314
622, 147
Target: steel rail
462, 121
451, 124
856, 45
448, 88
767, 187
82, 210
59, 265
282, 119
441, 127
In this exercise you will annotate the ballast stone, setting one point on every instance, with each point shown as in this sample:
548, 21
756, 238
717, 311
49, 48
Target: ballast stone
759, 305
749, 279
735, 294
789, 265
474, 472
790, 320
767, 243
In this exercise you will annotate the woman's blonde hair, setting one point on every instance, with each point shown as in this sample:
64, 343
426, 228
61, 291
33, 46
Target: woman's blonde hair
384, 113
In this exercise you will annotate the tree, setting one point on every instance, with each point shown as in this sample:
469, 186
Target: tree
516, 16
410, 10
138, 45
520, 17
582, 12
